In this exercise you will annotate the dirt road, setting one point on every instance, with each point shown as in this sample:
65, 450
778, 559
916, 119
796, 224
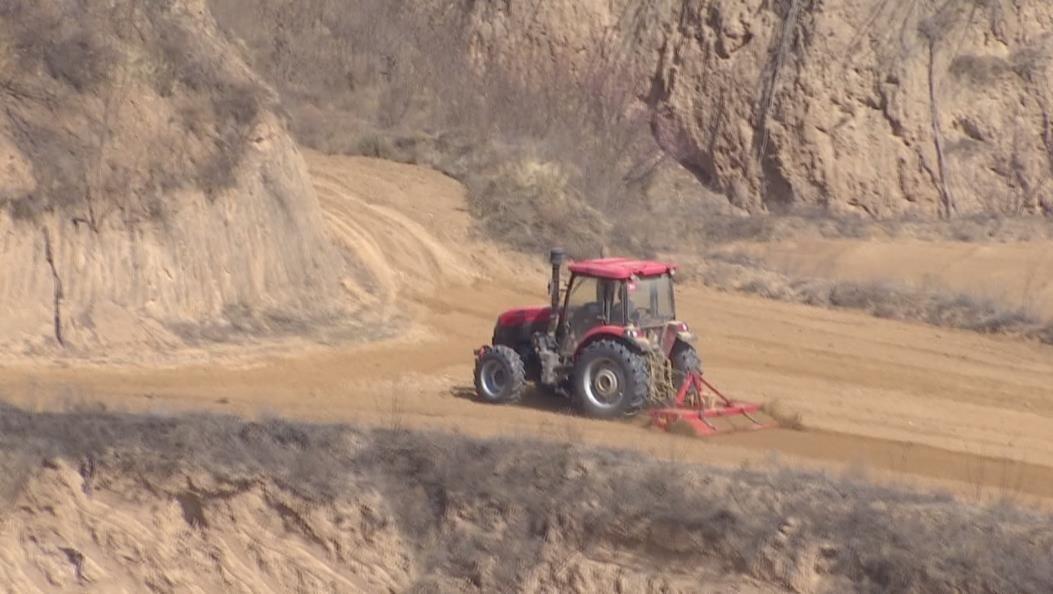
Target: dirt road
905, 399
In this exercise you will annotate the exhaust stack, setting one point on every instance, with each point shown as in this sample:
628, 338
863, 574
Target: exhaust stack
557, 256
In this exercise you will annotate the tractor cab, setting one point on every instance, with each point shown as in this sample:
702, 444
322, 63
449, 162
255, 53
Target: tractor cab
628, 298
594, 341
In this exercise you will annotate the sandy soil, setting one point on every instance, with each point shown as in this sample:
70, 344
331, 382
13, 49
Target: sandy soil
969, 412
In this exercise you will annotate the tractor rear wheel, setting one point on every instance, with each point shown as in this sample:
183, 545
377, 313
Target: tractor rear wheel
685, 360
610, 380
500, 376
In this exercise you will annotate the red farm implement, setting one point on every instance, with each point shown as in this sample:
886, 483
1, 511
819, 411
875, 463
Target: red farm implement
702, 409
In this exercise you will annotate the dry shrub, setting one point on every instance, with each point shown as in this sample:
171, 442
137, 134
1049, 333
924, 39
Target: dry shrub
81, 58
980, 70
561, 162
80, 71
395, 79
531, 203
480, 514
68, 43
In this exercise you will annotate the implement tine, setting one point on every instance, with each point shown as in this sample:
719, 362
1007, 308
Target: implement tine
697, 415
708, 424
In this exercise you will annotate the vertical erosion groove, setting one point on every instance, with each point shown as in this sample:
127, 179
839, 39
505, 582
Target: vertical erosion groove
57, 302
949, 206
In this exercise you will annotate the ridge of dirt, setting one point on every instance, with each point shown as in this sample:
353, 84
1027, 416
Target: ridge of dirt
103, 502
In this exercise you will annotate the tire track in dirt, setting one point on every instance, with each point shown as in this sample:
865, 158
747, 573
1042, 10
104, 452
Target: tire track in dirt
900, 399
393, 253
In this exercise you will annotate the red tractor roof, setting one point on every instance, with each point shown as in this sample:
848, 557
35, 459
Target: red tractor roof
620, 268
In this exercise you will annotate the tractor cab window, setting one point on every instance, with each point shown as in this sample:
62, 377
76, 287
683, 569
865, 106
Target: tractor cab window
589, 304
582, 293
651, 300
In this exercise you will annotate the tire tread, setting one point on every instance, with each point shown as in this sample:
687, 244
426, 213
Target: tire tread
634, 364
514, 362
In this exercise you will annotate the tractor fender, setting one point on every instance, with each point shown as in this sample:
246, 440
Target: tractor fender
673, 338
601, 332
676, 332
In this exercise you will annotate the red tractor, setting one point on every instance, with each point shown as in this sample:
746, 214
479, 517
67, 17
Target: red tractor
595, 343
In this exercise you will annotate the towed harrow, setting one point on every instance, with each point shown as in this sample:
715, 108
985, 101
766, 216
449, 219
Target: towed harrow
707, 413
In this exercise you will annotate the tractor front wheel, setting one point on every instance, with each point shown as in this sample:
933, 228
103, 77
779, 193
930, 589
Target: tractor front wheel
685, 360
500, 377
610, 380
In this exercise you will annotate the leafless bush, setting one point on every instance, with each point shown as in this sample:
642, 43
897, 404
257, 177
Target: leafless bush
82, 59
531, 202
448, 495
1028, 61
65, 43
395, 79
78, 70
235, 109
980, 70
547, 157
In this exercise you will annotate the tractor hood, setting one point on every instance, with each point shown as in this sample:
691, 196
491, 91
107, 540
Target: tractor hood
516, 327
526, 316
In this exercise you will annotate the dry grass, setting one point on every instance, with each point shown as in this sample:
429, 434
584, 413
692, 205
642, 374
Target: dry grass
73, 87
768, 524
805, 222
571, 161
738, 272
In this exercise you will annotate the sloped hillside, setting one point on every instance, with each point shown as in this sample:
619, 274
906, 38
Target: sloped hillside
873, 108
149, 195
879, 108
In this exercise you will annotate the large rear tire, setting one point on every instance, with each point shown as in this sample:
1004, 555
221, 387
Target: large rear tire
500, 376
610, 380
